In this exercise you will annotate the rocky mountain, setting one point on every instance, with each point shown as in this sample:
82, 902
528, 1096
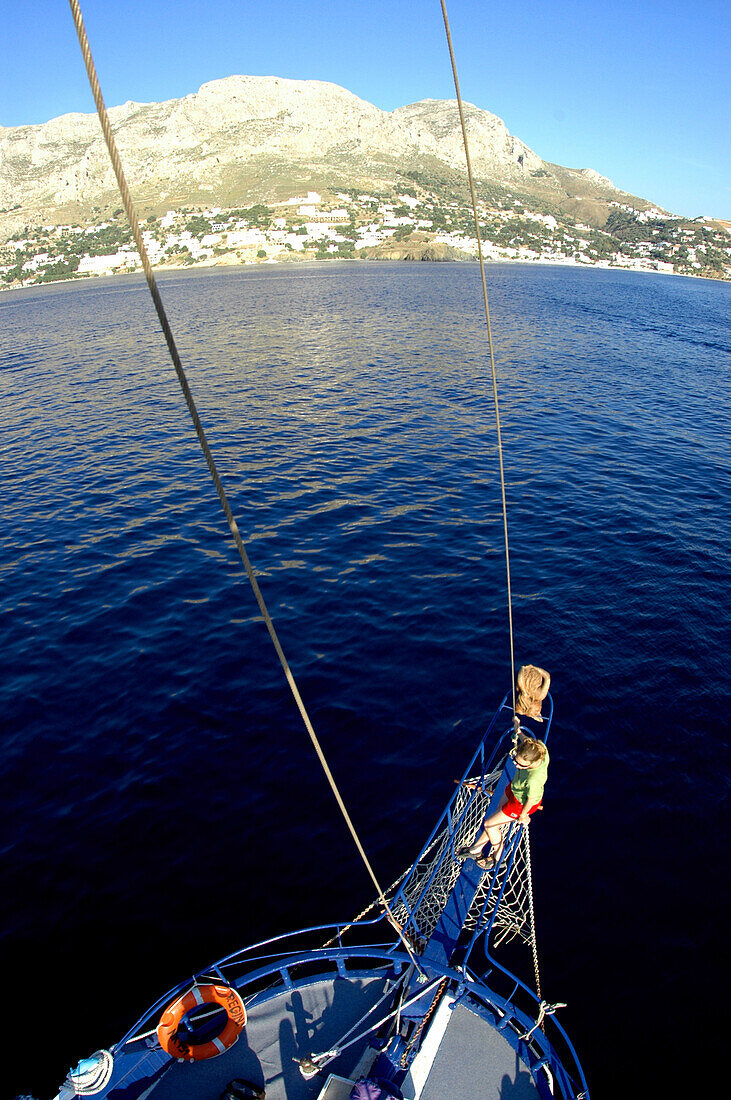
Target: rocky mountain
248, 139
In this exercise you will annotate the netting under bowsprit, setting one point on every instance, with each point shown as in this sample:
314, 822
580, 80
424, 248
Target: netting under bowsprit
502, 905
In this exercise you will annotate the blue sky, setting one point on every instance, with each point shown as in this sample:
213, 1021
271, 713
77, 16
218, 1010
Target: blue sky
637, 89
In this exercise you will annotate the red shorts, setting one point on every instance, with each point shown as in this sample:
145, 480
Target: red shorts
513, 808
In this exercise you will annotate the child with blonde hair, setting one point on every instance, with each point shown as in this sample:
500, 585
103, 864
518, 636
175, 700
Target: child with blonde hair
521, 799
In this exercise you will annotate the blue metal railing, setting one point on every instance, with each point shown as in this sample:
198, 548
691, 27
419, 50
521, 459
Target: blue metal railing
268, 974
452, 819
262, 970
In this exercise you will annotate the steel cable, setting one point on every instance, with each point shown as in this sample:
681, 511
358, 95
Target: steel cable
489, 340
200, 432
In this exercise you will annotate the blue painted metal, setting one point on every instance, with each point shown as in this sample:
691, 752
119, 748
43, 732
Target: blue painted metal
440, 947
269, 968
445, 936
365, 961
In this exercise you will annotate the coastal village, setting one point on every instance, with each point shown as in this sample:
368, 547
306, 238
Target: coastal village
409, 223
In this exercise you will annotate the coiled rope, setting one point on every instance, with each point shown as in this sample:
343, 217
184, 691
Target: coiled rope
175, 357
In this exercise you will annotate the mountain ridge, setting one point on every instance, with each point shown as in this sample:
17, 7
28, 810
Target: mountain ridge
242, 138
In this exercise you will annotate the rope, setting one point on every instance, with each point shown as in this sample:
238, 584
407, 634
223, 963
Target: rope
340, 1044
545, 1010
534, 944
371, 905
424, 1021
172, 348
489, 339
322, 1059
516, 720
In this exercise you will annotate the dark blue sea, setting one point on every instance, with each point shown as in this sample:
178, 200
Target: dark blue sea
162, 803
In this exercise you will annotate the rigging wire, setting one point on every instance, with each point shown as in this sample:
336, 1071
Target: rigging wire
202, 439
516, 720
490, 343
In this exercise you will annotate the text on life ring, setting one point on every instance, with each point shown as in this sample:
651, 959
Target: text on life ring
171, 1019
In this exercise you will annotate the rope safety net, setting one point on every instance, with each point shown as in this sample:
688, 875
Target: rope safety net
428, 884
525, 847
509, 916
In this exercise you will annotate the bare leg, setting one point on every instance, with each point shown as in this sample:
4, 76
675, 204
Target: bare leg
492, 831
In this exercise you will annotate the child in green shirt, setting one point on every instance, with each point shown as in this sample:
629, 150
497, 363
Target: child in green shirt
522, 798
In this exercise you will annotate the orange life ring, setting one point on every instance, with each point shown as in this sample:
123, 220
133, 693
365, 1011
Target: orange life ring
170, 1020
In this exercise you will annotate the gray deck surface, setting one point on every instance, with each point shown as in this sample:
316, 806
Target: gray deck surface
475, 1062
295, 1023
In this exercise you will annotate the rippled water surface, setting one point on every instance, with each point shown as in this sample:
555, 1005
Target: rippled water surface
162, 803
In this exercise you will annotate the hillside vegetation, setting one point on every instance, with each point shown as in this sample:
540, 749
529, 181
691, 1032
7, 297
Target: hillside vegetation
386, 184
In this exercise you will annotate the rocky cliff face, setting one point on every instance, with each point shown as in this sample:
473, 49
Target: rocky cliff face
226, 141
433, 126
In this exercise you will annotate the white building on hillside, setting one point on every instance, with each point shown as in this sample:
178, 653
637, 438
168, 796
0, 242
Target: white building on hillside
105, 265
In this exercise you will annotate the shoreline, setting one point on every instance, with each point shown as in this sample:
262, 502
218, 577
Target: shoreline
370, 260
